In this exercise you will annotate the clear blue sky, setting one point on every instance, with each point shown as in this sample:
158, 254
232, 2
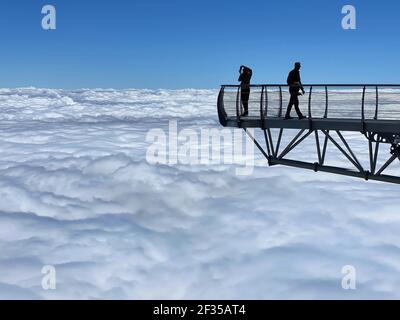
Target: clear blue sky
195, 43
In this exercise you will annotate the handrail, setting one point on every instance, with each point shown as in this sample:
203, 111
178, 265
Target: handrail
317, 85
265, 89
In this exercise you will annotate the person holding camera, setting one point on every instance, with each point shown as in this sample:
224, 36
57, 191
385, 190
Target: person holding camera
245, 77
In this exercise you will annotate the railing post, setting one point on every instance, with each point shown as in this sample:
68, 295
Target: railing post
262, 107
377, 104
266, 101
326, 102
309, 103
238, 105
280, 102
221, 107
363, 109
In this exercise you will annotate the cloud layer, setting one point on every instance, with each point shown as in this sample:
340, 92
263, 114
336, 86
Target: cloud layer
77, 193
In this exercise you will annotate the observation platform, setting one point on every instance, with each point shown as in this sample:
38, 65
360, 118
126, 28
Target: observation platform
327, 107
371, 109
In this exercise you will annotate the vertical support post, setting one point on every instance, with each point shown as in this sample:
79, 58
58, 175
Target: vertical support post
280, 102
326, 102
377, 104
266, 101
363, 110
262, 108
238, 105
309, 103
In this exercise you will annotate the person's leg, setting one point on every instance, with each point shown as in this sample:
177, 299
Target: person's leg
245, 101
289, 107
296, 106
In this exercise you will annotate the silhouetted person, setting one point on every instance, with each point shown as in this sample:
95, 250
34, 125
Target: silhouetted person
294, 81
245, 78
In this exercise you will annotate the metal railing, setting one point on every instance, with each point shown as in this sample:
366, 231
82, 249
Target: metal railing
345, 101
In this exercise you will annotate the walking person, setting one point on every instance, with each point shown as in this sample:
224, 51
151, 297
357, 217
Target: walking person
295, 85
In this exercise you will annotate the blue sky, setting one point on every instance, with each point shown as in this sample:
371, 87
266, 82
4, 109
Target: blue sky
195, 44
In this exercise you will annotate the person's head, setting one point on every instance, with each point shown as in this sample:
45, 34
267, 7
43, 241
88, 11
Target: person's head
297, 65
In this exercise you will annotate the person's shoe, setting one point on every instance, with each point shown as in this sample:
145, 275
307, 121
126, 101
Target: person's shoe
302, 117
288, 117
245, 114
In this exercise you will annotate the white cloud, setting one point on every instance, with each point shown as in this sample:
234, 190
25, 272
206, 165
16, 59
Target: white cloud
77, 193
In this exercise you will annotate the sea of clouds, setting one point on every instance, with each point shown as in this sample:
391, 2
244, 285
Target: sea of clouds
77, 193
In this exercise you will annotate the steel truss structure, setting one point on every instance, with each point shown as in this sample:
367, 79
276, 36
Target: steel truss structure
378, 132
280, 156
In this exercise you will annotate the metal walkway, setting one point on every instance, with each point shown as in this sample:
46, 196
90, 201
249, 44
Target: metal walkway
371, 109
